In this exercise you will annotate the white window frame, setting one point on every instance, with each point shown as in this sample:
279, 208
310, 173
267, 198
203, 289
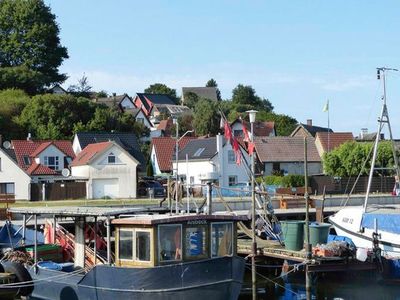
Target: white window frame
55, 166
229, 180
108, 159
231, 157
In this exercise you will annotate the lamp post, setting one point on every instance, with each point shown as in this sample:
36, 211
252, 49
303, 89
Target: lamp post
252, 117
176, 161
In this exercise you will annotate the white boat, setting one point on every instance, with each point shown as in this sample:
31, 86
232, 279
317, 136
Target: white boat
370, 226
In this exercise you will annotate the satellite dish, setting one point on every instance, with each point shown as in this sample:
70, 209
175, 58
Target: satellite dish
6, 145
65, 172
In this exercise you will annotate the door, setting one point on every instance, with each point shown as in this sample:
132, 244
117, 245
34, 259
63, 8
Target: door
105, 188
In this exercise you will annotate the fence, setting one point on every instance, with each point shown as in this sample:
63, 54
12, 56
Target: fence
343, 185
58, 191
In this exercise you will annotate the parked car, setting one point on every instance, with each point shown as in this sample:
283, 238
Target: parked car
151, 188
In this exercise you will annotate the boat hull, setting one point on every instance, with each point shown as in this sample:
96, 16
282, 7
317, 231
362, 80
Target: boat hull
349, 222
217, 278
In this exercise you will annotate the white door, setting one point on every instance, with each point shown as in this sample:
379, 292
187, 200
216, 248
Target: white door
105, 188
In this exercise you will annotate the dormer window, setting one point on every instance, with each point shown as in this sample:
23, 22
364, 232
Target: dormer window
52, 162
111, 158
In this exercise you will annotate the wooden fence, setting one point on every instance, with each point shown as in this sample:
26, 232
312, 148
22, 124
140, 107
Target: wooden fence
343, 185
58, 191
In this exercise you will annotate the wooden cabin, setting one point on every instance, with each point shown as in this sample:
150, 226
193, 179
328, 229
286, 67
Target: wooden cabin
154, 240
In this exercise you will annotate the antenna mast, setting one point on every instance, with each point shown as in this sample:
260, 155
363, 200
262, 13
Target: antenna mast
384, 118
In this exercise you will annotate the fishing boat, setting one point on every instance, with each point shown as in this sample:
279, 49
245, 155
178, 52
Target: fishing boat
157, 256
373, 226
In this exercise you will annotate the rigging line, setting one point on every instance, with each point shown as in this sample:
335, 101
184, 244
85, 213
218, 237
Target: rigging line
373, 100
274, 282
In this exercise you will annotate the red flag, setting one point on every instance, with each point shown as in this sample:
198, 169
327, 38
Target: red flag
236, 149
227, 131
250, 148
245, 133
238, 158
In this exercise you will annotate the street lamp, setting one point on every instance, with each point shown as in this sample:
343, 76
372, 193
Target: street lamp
175, 120
252, 117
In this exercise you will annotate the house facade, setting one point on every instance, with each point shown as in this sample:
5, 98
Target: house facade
260, 128
211, 157
285, 155
28, 161
109, 169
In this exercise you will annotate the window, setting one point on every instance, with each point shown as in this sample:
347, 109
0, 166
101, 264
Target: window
51, 162
231, 157
221, 239
140, 120
7, 188
199, 152
169, 242
191, 179
27, 160
143, 245
232, 180
125, 244
195, 242
111, 158
238, 133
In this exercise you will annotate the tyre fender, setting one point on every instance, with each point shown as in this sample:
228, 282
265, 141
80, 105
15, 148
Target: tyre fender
22, 275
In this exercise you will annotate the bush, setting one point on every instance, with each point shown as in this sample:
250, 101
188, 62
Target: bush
284, 181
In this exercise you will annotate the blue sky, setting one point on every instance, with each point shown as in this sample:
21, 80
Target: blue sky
297, 54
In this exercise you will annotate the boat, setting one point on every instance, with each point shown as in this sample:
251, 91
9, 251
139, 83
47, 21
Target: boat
157, 256
373, 226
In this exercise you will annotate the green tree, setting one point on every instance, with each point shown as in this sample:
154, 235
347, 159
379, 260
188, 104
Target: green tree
349, 158
12, 103
30, 49
185, 124
245, 96
160, 88
55, 116
213, 83
206, 117
191, 99
82, 88
284, 124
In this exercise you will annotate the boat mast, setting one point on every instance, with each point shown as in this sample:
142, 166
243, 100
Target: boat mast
384, 118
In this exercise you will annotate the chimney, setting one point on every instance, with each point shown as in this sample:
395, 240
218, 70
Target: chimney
29, 137
309, 122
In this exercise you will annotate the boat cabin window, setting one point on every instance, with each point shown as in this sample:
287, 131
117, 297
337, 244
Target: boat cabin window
195, 242
125, 244
143, 245
130, 239
221, 239
170, 242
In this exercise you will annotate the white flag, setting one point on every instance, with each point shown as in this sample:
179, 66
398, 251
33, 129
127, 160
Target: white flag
326, 106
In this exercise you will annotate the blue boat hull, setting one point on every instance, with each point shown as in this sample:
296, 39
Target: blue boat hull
217, 278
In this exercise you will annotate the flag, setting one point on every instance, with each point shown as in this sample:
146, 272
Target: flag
245, 133
227, 131
326, 106
250, 148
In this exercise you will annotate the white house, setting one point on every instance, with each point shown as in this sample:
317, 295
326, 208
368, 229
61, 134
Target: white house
110, 171
211, 157
27, 161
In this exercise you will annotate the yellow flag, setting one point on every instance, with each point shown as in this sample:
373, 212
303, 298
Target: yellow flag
326, 106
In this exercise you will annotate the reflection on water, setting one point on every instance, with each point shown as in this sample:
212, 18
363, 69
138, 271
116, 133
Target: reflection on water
333, 287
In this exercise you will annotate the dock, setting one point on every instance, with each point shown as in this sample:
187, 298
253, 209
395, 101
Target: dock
273, 251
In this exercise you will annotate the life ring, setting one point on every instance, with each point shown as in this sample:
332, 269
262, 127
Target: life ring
21, 274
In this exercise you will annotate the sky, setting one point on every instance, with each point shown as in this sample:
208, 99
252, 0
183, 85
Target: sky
297, 54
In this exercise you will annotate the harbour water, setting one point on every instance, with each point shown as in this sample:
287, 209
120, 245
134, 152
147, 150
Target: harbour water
338, 286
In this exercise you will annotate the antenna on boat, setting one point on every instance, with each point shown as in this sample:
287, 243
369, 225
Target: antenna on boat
384, 118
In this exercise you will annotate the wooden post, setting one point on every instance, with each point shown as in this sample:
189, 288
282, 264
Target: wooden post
35, 244
24, 229
108, 241
95, 241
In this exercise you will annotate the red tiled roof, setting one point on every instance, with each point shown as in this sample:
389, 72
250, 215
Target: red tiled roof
32, 148
39, 169
89, 152
165, 149
285, 149
335, 139
166, 126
